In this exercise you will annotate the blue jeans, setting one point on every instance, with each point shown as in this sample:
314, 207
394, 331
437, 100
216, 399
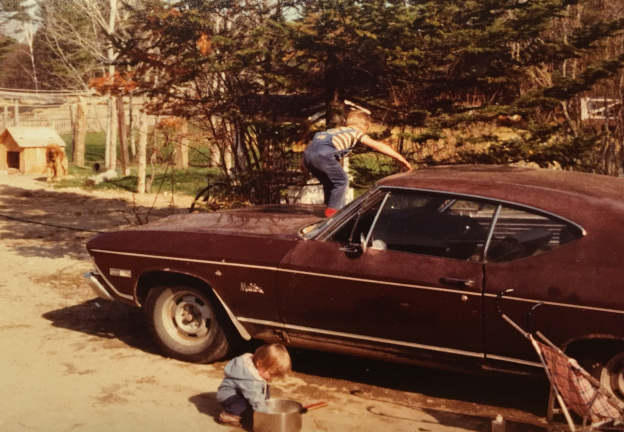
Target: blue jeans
237, 405
324, 164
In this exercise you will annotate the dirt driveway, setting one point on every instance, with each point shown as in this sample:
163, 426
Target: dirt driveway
71, 362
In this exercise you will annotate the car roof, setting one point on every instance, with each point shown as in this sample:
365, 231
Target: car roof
550, 190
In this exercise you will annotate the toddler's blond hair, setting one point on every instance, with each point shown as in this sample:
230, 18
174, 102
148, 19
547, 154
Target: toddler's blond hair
274, 359
358, 118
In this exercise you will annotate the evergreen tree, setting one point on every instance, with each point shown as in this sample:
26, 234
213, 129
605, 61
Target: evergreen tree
432, 65
447, 64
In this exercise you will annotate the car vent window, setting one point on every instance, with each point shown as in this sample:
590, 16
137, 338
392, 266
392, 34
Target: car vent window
352, 232
520, 234
433, 224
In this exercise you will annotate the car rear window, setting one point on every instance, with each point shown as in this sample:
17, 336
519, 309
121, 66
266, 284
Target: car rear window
519, 234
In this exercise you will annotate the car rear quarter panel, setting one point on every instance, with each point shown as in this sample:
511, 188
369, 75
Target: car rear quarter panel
580, 286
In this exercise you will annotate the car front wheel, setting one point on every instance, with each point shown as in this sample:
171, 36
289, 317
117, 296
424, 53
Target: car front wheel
184, 324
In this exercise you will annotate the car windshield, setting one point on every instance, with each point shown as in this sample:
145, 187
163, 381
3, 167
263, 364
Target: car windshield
314, 228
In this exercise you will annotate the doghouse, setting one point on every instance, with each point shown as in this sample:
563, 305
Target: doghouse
24, 148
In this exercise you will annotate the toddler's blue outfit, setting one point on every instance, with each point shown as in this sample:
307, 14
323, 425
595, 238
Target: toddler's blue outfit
243, 387
322, 159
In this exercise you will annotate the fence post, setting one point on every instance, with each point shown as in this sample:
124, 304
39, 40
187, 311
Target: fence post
15, 112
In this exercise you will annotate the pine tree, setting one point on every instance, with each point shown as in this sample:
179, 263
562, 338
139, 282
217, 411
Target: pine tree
424, 67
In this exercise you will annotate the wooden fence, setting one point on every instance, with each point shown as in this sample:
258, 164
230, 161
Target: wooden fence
62, 126
61, 118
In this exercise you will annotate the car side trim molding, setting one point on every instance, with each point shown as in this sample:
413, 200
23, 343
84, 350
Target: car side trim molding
110, 285
389, 341
252, 266
283, 270
380, 282
169, 258
567, 305
360, 337
239, 327
513, 360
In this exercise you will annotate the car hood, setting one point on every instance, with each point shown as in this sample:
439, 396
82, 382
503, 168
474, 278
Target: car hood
260, 220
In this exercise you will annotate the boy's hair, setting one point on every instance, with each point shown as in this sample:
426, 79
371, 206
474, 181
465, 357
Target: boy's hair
273, 358
358, 118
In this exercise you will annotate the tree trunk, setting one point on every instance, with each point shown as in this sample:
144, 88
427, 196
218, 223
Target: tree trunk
142, 152
121, 120
334, 104
182, 150
111, 139
80, 133
30, 35
133, 149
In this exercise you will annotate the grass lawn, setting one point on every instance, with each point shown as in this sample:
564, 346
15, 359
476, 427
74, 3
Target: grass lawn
187, 182
366, 168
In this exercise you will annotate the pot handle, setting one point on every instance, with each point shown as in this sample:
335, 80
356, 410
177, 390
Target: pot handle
312, 406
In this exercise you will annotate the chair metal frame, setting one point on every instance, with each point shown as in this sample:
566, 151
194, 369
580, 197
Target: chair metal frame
601, 408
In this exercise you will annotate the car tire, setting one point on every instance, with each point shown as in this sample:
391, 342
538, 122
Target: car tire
185, 324
612, 376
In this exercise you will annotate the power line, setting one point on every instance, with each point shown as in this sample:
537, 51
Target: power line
47, 224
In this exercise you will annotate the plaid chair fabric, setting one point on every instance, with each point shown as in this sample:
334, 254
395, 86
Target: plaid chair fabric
572, 383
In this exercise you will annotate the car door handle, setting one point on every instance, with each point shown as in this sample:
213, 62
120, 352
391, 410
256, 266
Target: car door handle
464, 283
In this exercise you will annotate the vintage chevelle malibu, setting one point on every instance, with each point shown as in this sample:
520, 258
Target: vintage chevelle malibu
410, 271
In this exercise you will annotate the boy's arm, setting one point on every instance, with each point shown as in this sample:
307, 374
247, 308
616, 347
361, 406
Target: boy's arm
385, 149
253, 391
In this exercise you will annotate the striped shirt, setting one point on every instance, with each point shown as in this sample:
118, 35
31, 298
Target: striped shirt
346, 137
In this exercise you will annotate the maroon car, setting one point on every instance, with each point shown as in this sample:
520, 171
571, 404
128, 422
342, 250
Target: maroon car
410, 272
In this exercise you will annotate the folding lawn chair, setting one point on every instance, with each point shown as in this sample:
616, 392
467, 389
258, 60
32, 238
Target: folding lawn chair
572, 387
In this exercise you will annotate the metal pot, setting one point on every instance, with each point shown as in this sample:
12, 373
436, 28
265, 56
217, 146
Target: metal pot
281, 415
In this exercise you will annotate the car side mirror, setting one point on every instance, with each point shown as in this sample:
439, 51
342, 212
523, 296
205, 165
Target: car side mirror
355, 248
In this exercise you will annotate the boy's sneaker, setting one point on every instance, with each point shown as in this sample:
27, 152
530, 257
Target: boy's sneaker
229, 419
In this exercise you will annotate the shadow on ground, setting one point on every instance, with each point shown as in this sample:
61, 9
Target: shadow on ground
61, 222
105, 320
468, 401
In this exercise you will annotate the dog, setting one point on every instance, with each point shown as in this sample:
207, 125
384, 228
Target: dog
101, 177
55, 158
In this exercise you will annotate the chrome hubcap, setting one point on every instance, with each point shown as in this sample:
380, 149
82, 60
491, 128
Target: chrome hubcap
191, 316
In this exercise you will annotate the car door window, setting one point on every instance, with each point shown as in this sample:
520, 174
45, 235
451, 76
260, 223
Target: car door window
423, 223
359, 224
519, 233
432, 224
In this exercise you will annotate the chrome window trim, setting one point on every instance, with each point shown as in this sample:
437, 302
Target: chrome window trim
323, 235
491, 231
379, 210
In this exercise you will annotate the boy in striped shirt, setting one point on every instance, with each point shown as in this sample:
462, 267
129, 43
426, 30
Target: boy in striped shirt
322, 157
